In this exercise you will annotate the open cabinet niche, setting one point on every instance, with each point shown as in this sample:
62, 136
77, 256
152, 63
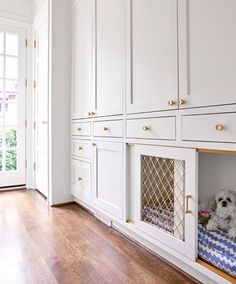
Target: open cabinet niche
216, 250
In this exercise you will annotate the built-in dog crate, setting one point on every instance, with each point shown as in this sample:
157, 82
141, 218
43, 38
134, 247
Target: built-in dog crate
216, 250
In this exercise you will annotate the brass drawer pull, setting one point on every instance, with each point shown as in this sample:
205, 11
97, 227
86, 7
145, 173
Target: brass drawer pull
105, 128
80, 148
187, 211
146, 128
79, 129
80, 179
182, 102
171, 103
93, 113
220, 127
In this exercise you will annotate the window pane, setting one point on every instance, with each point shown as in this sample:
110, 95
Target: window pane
11, 139
11, 68
1, 136
11, 161
1, 66
11, 44
11, 87
10, 114
1, 43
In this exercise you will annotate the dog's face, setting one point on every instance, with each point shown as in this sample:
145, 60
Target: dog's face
225, 202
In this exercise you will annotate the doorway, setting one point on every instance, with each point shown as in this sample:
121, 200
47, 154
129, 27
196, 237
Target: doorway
12, 107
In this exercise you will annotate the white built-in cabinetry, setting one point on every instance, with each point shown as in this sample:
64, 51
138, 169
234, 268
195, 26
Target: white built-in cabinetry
146, 76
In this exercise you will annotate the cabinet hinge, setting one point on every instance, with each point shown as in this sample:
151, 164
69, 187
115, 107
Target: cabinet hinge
35, 84
34, 125
35, 44
26, 164
26, 42
26, 82
26, 123
35, 167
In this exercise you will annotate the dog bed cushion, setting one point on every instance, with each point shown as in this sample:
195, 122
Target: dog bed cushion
218, 249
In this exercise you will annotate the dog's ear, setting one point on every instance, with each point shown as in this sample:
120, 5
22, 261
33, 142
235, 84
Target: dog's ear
212, 204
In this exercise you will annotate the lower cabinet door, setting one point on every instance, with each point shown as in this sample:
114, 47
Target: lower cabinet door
108, 177
165, 196
81, 180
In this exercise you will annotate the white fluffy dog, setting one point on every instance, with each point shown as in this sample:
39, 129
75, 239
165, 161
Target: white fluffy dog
224, 215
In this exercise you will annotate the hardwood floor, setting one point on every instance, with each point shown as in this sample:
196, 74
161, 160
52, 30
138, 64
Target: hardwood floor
39, 244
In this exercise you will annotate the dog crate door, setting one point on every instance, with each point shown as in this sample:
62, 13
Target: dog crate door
166, 203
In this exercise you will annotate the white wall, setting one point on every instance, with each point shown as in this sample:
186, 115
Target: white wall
21, 10
216, 173
59, 100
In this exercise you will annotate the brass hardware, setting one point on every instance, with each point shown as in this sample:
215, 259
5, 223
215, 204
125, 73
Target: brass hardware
35, 44
26, 123
26, 83
26, 164
34, 125
105, 129
182, 102
146, 128
220, 127
26, 42
79, 129
130, 222
35, 84
35, 167
44, 122
187, 197
89, 113
80, 179
80, 148
94, 145
93, 113
171, 103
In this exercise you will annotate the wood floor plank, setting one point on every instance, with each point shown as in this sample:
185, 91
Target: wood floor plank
67, 245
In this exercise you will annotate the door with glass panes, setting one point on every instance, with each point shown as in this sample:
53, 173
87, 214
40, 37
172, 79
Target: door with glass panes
12, 106
166, 201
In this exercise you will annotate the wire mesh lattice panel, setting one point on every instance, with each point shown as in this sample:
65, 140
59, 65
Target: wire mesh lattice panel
162, 194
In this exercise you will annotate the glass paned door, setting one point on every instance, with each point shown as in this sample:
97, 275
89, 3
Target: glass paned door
12, 106
165, 205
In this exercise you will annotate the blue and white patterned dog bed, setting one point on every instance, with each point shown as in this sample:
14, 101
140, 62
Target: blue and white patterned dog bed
218, 249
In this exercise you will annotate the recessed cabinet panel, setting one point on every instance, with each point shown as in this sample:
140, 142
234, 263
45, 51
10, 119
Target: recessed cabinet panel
82, 149
81, 180
110, 56
109, 182
207, 52
81, 128
108, 128
83, 89
152, 40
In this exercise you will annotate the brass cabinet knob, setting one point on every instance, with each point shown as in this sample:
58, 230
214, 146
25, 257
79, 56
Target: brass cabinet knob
219, 127
44, 122
79, 129
93, 113
146, 128
105, 128
89, 113
80, 148
80, 179
182, 102
94, 145
171, 103
187, 211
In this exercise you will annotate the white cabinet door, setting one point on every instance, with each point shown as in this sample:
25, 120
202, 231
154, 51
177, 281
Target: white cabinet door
81, 180
110, 56
207, 52
83, 89
152, 45
166, 200
108, 177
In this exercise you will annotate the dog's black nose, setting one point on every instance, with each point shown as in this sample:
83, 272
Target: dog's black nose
224, 203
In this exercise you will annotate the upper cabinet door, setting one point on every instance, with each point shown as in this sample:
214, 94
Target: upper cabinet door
83, 89
152, 55
110, 35
207, 52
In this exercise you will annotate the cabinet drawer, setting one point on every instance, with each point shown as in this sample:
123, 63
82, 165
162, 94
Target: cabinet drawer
109, 128
81, 128
210, 127
162, 128
82, 149
81, 180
